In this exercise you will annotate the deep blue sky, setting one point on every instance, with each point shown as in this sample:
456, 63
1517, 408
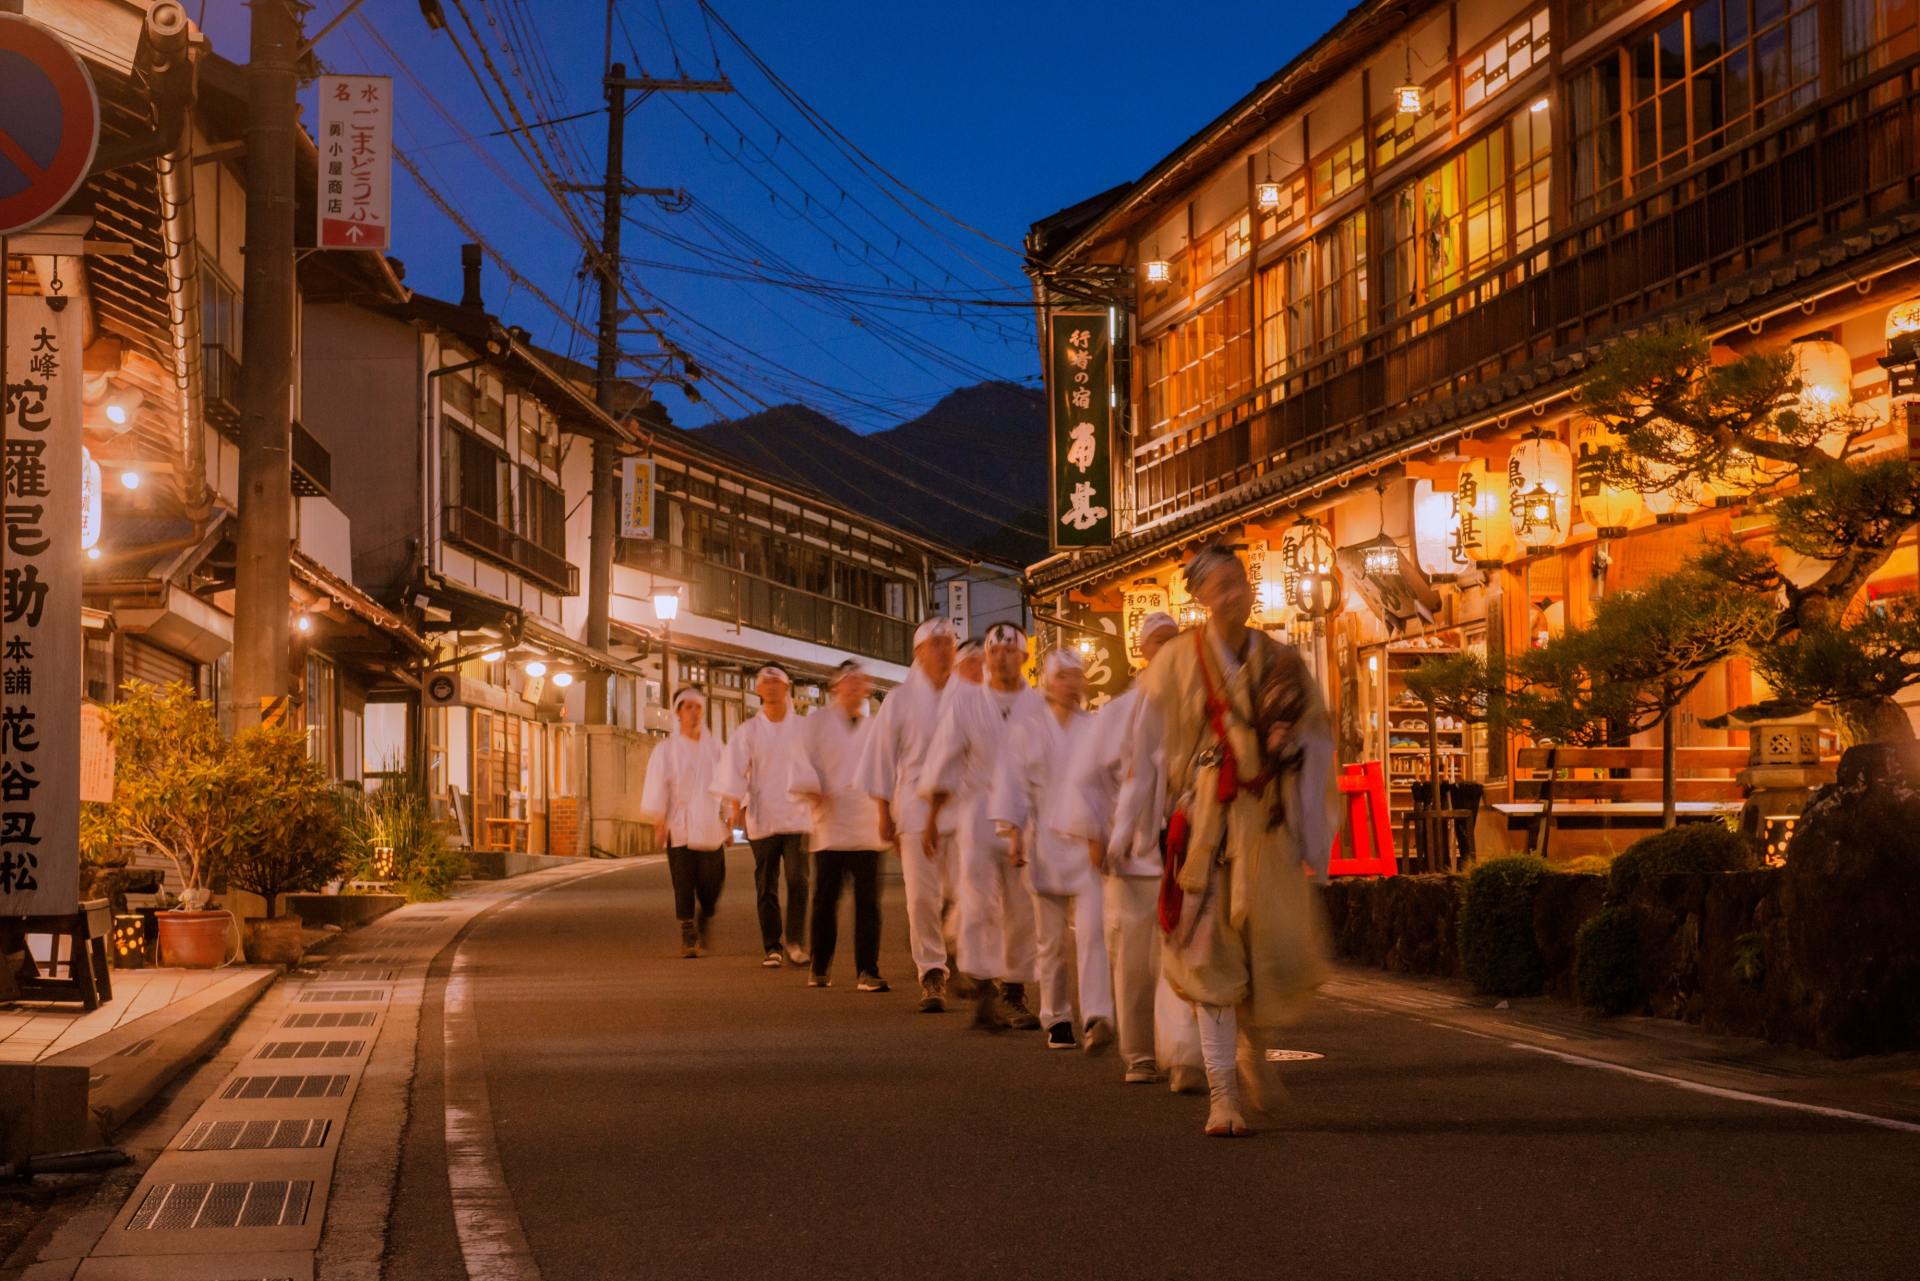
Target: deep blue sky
999, 113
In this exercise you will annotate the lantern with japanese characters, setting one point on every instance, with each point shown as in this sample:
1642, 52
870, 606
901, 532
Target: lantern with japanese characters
1306, 548
1824, 371
1484, 531
1608, 507
1540, 490
1435, 532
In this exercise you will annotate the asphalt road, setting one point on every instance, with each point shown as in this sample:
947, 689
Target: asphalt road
659, 1117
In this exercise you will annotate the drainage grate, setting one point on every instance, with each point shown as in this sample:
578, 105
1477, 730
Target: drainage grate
331, 1018
344, 994
311, 1050
224, 1136
360, 976
268, 1203
285, 1087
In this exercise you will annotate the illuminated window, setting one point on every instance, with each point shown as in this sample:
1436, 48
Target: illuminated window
1340, 170
1509, 57
1875, 34
1291, 209
1419, 222
1200, 365
1341, 289
1286, 314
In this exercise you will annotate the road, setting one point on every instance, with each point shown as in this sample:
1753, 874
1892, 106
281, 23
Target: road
661, 1117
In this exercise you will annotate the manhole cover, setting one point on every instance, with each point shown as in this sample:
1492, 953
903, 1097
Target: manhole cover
1292, 1056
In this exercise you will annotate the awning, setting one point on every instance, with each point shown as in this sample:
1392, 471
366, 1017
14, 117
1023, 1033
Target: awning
356, 602
554, 642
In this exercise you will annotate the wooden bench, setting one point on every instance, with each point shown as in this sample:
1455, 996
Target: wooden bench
1619, 787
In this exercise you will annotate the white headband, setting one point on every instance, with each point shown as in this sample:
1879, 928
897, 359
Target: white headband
1059, 660
932, 629
778, 673
689, 695
1006, 636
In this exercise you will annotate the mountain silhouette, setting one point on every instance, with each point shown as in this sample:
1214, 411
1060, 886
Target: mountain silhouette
971, 471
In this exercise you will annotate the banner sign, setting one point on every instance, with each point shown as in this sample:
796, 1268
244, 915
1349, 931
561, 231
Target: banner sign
356, 163
958, 606
1141, 599
636, 497
40, 645
1080, 403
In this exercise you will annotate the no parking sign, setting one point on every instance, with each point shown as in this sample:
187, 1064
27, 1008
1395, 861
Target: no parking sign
49, 123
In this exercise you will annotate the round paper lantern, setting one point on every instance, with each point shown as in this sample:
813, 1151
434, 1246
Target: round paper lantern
1903, 318
1436, 534
1608, 507
1825, 373
1540, 491
1480, 513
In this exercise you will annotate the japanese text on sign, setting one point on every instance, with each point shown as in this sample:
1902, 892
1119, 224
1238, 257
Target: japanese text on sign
636, 497
40, 646
1080, 395
356, 162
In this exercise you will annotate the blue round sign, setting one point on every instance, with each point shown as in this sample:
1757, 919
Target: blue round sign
49, 123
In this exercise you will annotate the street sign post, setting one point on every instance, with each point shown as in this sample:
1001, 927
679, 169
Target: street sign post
49, 123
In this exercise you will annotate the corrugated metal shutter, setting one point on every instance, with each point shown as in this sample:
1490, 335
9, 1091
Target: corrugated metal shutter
144, 661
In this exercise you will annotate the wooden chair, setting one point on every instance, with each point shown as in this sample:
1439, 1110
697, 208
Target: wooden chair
1619, 787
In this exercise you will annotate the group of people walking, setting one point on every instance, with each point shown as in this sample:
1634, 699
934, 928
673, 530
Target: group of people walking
1139, 874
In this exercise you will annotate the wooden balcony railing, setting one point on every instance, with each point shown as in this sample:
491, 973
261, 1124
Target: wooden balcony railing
220, 388
486, 537
1851, 157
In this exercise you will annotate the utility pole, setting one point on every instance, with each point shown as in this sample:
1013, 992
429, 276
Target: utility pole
605, 508
261, 609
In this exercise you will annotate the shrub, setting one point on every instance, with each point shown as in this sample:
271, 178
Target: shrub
1689, 848
288, 834
1497, 947
174, 787
398, 816
1605, 961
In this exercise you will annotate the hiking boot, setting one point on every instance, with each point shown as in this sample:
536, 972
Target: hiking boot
872, 983
1013, 1008
1099, 1036
989, 1013
933, 992
689, 939
1060, 1036
773, 961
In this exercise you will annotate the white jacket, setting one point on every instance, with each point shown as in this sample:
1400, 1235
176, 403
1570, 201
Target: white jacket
826, 764
896, 749
679, 789
756, 769
1102, 767
1030, 793
966, 746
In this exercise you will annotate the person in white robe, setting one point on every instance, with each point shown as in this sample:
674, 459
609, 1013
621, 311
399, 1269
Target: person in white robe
1248, 752
890, 771
1031, 802
1156, 1028
754, 771
994, 944
825, 777
969, 663
677, 798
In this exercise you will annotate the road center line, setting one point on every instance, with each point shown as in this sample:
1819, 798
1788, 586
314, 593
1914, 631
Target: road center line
493, 1246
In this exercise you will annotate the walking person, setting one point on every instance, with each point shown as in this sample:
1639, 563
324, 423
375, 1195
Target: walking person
994, 943
678, 800
1248, 752
755, 770
1032, 802
1156, 1029
890, 770
845, 827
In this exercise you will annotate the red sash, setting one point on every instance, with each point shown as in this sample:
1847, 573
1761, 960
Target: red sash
1179, 824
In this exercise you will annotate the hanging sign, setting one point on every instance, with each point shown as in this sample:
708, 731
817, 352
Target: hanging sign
40, 645
49, 123
1103, 652
1141, 599
1080, 404
356, 163
958, 607
636, 497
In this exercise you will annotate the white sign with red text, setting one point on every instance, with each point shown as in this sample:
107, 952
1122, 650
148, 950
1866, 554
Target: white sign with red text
356, 163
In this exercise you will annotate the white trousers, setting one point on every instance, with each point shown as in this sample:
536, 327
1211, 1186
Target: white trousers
929, 889
1055, 916
1176, 1026
996, 934
1133, 948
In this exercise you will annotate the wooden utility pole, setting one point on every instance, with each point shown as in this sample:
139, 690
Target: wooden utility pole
263, 544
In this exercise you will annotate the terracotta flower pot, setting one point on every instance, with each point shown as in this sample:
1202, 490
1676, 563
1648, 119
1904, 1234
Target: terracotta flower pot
274, 940
193, 940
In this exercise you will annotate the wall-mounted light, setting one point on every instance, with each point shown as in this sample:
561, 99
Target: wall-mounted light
563, 679
303, 623
93, 553
120, 409
1085, 646
493, 655
130, 479
1539, 105
536, 669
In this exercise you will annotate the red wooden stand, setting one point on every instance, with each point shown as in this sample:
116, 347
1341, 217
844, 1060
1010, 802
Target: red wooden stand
1365, 788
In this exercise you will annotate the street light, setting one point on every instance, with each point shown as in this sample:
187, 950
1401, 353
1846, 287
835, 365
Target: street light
666, 608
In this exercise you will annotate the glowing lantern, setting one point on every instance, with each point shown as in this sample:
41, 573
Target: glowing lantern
1267, 195
1159, 271
1904, 318
1480, 513
1609, 508
1380, 555
1435, 532
1902, 361
1825, 373
1540, 490
1316, 594
1306, 548
89, 500
1407, 100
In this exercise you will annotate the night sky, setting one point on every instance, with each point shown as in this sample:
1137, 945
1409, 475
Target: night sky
997, 113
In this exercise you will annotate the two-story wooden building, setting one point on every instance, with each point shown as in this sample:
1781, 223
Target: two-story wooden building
1344, 306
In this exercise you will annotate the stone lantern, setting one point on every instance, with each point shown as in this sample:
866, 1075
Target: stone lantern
1783, 768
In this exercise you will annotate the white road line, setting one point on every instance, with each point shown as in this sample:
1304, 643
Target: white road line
492, 1244
1720, 1092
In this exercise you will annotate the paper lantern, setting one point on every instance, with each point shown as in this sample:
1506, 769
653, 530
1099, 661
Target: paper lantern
1267, 195
1480, 513
1825, 373
1903, 318
1407, 99
89, 500
1159, 271
1609, 508
1316, 593
1540, 491
1436, 534
1306, 547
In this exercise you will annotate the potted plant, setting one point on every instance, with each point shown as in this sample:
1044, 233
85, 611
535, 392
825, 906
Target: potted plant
287, 833
175, 790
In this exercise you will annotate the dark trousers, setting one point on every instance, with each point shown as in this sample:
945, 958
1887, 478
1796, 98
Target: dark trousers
697, 875
769, 854
831, 868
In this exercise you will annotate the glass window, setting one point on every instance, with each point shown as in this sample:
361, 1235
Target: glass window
322, 711
1506, 59
1292, 207
1876, 33
543, 512
1341, 313
1340, 170
1200, 365
1220, 248
478, 477
1419, 225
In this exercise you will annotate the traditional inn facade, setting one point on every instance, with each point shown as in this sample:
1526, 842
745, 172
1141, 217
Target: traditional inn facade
1365, 293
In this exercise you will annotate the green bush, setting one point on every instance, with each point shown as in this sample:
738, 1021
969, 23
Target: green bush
1689, 848
1605, 961
398, 816
1497, 948
287, 831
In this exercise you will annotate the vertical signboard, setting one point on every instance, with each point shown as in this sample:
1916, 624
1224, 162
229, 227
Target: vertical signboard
40, 647
959, 607
1080, 405
1141, 599
356, 163
636, 497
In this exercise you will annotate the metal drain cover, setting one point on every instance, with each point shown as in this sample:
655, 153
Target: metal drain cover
225, 1136
285, 1087
342, 994
311, 1049
268, 1203
331, 1018
360, 976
